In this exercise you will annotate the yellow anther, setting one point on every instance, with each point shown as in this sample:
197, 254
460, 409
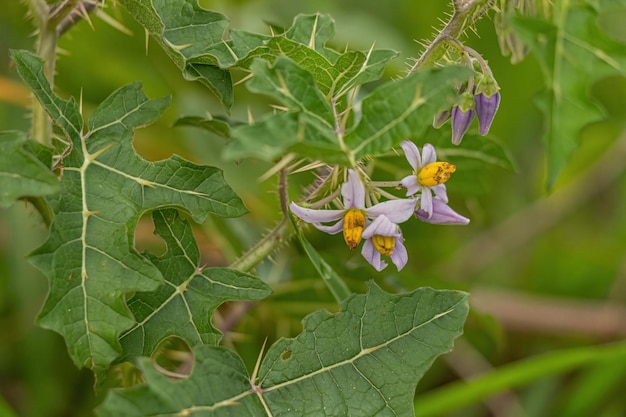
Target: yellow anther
435, 173
384, 244
353, 225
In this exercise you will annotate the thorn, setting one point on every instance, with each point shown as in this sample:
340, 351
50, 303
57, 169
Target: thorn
112, 22
250, 117
312, 40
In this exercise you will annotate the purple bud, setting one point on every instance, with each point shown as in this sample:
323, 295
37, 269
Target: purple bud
442, 214
486, 108
461, 121
441, 118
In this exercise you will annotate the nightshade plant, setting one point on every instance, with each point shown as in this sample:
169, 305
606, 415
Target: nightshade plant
114, 305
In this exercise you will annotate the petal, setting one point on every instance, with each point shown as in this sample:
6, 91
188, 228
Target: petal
442, 214
399, 256
372, 256
316, 216
381, 226
412, 154
410, 183
426, 202
353, 191
332, 229
440, 192
397, 211
428, 154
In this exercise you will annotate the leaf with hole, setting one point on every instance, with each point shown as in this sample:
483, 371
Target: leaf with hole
89, 256
184, 304
364, 360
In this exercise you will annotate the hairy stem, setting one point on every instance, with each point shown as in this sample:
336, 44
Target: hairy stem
466, 13
273, 239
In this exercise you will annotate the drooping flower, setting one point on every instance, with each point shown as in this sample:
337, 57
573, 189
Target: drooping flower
352, 219
428, 175
384, 237
442, 214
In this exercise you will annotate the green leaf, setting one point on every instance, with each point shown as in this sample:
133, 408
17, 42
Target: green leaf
390, 114
89, 256
184, 305
334, 283
368, 359
185, 31
573, 53
403, 109
21, 173
217, 125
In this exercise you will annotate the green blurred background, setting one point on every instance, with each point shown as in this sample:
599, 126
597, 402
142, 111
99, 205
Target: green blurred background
545, 271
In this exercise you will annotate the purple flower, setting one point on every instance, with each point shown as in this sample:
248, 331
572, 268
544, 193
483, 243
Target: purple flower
461, 121
384, 238
353, 218
428, 175
442, 214
486, 108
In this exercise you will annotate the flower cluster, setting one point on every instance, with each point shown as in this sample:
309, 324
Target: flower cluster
378, 224
479, 97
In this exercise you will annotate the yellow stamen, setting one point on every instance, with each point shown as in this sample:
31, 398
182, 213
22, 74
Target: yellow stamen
353, 225
384, 244
435, 173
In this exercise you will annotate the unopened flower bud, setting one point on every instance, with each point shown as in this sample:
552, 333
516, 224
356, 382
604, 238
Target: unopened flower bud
441, 118
486, 108
461, 121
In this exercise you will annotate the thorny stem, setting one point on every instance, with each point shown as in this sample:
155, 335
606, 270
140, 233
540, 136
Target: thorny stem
51, 22
273, 239
466, 12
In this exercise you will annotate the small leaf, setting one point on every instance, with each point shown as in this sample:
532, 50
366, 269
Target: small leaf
21, 173
217, 125
573, 53
89, 255
184, 305
368, 358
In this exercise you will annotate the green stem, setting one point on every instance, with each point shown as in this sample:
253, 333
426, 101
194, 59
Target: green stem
466, 13
262, 248
46, 48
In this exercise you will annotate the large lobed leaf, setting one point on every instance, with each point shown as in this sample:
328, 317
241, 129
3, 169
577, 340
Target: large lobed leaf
21, 173
89, 256
573, 53
184, 305
365, 360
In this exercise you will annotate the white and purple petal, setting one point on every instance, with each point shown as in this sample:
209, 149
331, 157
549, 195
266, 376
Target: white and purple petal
410, 183
316, 216
381, 226
440, 192
372, 256
353, 192
399, 256
442, 214
426, 202
412, 155
428, 154
331, 229
397, 211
